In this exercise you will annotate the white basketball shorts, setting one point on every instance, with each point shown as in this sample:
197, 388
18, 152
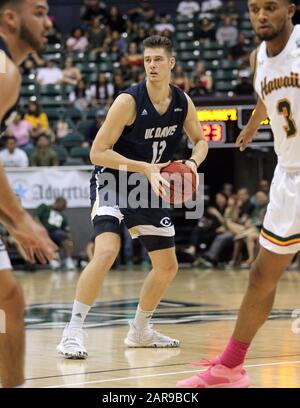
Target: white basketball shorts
281, 227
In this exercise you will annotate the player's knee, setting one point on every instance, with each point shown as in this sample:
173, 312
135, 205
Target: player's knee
168, 271
106, 256
12, 299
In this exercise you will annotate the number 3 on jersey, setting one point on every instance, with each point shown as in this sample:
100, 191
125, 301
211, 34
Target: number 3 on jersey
158, 149
284, 108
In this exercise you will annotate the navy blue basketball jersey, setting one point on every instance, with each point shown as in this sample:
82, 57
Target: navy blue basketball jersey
3, 48
153, 137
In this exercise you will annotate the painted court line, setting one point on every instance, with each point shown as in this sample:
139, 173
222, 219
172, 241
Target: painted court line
162, 375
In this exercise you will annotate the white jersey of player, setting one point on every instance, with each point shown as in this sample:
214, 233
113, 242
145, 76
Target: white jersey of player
277, 83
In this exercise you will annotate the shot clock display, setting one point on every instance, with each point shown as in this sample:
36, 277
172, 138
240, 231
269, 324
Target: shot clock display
214, 131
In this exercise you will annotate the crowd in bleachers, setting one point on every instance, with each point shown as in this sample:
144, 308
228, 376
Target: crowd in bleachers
69, 87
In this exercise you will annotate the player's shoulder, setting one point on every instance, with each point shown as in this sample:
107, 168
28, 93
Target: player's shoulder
12, 75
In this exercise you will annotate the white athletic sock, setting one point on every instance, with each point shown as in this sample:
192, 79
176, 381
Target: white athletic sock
79, 312
142, 318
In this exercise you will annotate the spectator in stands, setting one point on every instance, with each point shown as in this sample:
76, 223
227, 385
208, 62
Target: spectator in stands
210, 8
231, 11
49, 75
115, 20
37, 119
188, 8
180, 79
119, 85
164, 24
56, 223
101, 93
96, 35
79, 97
228, 189
141, 34
205, 31
134, 57
264, 185
54, 35
43, 155
204, 77
227, 33
240, 51
12, 156
62, 128
92, 9
78, 41
94, 128
71, 75
119, 44
20, 129
244, 85
209, 226
124, 69
143, 14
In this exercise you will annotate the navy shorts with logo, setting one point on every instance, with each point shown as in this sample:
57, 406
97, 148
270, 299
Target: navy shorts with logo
153, 226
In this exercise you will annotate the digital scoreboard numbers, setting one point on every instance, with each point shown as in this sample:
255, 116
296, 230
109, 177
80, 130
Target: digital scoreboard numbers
214, 132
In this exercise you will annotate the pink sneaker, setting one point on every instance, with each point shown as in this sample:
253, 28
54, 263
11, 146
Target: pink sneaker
217, 376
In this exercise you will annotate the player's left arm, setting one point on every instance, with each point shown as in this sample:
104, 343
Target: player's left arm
194, 131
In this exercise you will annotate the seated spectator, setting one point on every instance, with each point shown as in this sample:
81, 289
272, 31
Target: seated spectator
164, 24
124, 69
119, 44
231, 11
92, 9
134, 57
209, 226
228, 189
79, 97
197, 89
205, 31
188, 8
119, 85
180, 79
20, 129
210, 7
244, 85
140, 36
94, 128
115, 20
62, 128
240, 51
43, 155
78, 41
70, 75
101, 93
227, 33
54, 35
12, 156
204, 76
50, 75
37, 119
52, 217
96, 36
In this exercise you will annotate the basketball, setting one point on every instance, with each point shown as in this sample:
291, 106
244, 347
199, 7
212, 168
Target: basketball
182, 183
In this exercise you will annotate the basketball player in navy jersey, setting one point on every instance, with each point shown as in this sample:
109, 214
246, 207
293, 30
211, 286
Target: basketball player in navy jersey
23, 28
142, 130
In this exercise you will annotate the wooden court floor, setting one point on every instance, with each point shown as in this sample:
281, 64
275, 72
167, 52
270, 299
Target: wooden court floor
199, 309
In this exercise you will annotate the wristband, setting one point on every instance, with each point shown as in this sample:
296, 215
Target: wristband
193, 161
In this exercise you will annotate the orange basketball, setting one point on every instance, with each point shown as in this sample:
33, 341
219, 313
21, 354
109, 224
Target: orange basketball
182, 183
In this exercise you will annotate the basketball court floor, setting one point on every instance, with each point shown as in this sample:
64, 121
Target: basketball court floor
199, 309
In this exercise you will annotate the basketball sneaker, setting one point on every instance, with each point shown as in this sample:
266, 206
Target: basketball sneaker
148, 338
72, 344
217, 376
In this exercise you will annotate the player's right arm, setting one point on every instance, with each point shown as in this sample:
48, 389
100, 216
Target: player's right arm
31, 236
122, 113
260, 114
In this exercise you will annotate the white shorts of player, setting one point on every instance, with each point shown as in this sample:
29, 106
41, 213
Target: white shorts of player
281, 228
4, 259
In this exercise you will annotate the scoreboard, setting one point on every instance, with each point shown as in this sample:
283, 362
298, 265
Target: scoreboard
222, 124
